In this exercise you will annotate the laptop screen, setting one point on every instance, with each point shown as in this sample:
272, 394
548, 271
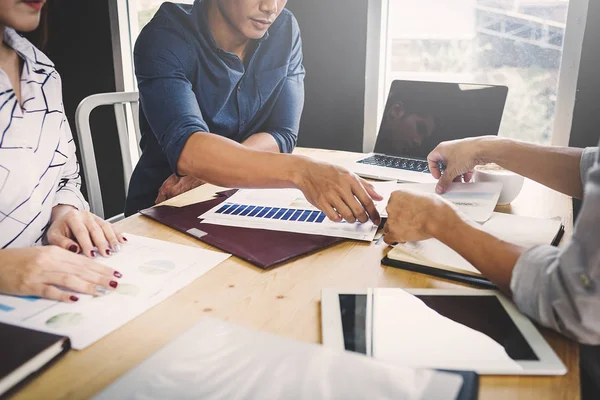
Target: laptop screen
420, 115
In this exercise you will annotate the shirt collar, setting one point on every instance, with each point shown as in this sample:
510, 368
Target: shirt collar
25, 49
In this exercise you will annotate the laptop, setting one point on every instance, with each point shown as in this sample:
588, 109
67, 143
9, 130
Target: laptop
420, 115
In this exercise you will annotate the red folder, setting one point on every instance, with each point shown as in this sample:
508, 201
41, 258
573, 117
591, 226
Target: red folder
257, 246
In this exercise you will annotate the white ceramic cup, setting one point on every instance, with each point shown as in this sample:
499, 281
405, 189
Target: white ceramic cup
511, 182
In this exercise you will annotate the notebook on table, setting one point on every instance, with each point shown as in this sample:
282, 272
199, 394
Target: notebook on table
434, 258
25, 352
260, 247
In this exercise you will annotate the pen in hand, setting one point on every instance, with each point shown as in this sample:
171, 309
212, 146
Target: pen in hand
441, 167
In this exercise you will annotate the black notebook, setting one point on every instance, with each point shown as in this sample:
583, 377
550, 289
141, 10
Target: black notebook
25, 352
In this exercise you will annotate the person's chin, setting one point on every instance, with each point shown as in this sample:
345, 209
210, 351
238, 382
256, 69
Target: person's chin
26, 24
255, 34
256, 30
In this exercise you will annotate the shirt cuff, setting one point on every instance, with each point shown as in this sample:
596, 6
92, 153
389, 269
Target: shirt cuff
588, 158
527, 282
71, 197
175, 147
279, 141
286, 142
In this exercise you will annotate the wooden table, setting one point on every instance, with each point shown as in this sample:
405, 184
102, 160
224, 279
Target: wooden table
285, 301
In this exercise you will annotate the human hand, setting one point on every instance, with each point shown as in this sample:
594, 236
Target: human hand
53, 273
337, 192
459, 158
416, 216
175, 185
82, 231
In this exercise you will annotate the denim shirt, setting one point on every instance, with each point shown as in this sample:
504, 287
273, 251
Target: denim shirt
560, 287
187, 84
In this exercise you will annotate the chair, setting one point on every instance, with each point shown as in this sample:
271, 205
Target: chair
126, 105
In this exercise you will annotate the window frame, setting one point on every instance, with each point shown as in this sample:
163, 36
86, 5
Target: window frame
377, 62
124, 34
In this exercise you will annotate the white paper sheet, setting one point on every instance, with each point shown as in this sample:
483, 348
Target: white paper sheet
524, 231
435, 252
218, 360
285, 210
476, 200
357, 231
152, 271
407, 332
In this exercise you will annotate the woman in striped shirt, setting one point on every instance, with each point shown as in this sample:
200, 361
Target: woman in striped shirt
40, 200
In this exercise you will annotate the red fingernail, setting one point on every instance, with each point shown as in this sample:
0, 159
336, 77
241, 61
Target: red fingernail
74, 248
125, 239
107, 252
113, 284
117, 274
93, 253
74, 298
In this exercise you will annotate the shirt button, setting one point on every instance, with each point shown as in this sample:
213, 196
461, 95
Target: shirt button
586, 281
239, 89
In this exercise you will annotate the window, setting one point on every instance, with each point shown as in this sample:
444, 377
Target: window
516, 43
145, 10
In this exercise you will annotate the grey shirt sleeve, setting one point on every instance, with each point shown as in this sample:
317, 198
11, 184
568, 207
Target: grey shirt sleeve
560, 287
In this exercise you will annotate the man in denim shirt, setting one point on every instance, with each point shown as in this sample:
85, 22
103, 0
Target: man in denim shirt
221, 95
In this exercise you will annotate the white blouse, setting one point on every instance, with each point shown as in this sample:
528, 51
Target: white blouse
38, 166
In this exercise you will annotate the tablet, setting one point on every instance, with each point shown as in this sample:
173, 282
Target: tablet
348, 323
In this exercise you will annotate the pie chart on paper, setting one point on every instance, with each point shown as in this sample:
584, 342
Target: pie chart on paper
157, 267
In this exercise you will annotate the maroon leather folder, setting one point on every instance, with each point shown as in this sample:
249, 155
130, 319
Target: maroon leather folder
257, 246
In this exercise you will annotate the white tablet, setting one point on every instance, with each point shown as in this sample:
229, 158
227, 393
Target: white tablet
468, 329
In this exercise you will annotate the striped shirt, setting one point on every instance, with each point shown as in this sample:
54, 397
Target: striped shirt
38, 166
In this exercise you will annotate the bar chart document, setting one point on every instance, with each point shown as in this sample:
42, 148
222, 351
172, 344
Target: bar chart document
285, 210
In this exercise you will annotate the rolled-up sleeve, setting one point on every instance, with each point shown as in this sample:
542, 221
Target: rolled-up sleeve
560, 287
284, 121
166, 96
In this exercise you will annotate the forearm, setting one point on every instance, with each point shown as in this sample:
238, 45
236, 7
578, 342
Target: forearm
555, 167
223, 162
262, 141
493, 257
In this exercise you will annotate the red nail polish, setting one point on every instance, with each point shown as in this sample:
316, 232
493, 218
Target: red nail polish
93, 253
125, 239
117, 274
113, 284
74, 298
73, 248
108, 252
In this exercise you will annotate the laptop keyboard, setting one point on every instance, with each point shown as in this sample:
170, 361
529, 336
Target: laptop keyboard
396, 162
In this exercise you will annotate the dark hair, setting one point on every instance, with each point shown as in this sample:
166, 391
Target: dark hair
39, 37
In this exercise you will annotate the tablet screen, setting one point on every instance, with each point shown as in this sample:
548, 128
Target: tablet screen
353, 308
483, 313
